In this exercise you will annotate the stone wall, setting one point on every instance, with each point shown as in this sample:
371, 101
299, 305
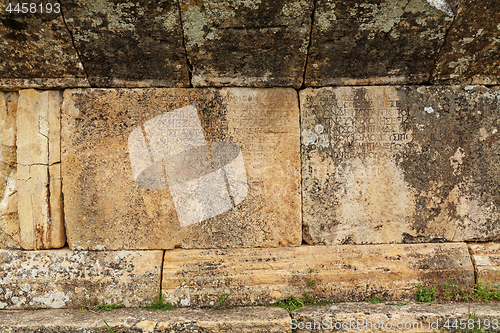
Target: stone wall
250, 148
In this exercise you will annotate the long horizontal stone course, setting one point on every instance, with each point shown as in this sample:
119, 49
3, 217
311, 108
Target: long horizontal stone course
74, 279
244, 320
486, 259
422, 318
400, 164
347, 272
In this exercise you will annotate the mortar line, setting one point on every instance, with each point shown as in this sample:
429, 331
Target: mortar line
188, 63
302, 86
474, 264
161, 271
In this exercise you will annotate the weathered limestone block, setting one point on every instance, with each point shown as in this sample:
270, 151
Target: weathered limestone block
128, 43
247, 43
105, 208
71, 279
9, 221
375, 41
471, 53
342, 272
37, 50
368, 318
38, 170
400, 164
486, 258
241, 320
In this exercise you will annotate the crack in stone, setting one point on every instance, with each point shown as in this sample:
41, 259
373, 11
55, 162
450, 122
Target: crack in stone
188, 63
73, 42
302, 86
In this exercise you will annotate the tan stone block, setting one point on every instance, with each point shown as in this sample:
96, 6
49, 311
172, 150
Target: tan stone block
9, 221
393, 164
342, 272
38, 152
71, 279
486, 258
106, 209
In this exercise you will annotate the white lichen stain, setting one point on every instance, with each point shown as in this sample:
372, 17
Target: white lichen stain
194, 23
443, 6
186, 301
456, 161
324, 19
315, 138
384, 17
53, 299
429, 110
294, 9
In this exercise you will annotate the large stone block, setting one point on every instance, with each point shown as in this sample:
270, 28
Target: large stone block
9, 220
37, 48
106, 209
129, 43
471, 53
342, 272
375, 42
247, 43
72, 279
400, 164
38, 170
486, 258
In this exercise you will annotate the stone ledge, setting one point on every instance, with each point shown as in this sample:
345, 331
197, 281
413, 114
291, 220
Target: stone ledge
412, 315
255, 320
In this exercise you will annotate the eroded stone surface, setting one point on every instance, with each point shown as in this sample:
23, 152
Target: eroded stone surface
71, 279
106, 209
400, 164
486, 258
130, 43
9, 220
37, 49
247, 43
367, 318
38, 170
244, 320
344, 272
374, 42
472, 50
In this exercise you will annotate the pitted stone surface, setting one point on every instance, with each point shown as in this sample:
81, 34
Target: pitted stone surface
374, 42
486, 258
243, 320
128, 43
345, 272
247, 43
37, 50
105, 208
72, 279
39, 198
400, 164
472, 50
9, 219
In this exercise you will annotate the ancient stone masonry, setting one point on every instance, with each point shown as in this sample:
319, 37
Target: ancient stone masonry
400, 164
37, 51
105, 208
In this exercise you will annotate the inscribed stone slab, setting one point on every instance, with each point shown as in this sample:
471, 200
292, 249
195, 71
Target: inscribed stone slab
106, 209
340, 273
38, 171
374, 42
471, 53
9, 220
72, 279
247, 43
38, 49
128, 43
393, 164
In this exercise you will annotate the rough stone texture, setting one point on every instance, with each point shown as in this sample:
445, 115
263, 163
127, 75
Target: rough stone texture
247, 43
38, 170
129, 43
104, 207
367, 318
471, 53
242, 320
486, 258
400, 164
38, 50
9, 220
71, 279
374, 42
343, 272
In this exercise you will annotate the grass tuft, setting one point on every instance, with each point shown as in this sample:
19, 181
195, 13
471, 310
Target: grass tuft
159, 304
107, 307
